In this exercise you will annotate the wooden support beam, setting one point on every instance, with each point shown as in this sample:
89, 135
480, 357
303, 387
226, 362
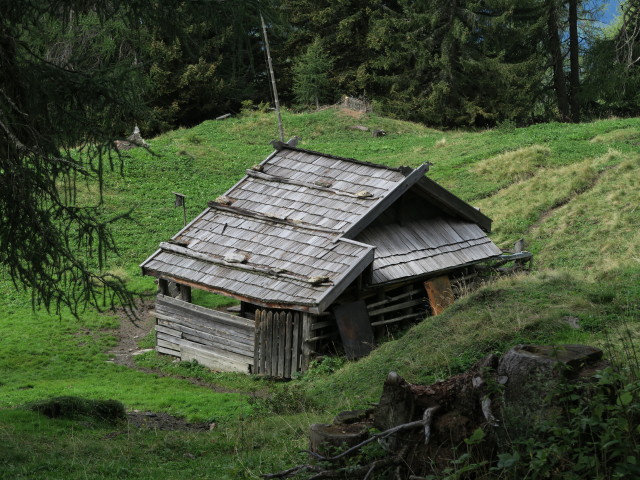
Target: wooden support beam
394, 298
185, 293
398, 306
440, 293
398, 319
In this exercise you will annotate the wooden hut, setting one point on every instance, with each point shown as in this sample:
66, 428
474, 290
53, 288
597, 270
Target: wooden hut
318, 249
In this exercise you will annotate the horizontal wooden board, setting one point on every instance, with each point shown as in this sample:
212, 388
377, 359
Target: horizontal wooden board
168, 344
211, 359
177, 344
398, 306
168, 331
184, 325
173, 320
204, 313
168, 351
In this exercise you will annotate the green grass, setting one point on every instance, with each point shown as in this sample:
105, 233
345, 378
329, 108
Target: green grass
37, 447
571, 191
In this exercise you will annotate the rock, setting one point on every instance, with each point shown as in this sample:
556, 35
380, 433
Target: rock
140, 352
223, 200
573, 322
233, 257
293, 142
364, 194
318, 279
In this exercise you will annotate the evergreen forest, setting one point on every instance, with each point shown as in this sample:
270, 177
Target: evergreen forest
452, 63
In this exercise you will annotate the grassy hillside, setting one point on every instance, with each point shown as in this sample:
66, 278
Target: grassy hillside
570, 190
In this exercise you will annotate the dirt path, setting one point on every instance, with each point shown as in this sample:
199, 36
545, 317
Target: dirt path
130, 333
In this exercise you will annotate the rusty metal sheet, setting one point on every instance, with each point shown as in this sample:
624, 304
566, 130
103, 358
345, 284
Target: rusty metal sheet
355, 328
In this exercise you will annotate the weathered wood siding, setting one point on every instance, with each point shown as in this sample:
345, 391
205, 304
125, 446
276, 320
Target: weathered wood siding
284, 342
215, 339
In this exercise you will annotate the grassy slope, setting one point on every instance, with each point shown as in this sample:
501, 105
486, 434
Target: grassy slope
570, 190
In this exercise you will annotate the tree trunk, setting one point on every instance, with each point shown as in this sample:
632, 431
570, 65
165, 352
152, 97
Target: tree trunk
557, 61
574, 58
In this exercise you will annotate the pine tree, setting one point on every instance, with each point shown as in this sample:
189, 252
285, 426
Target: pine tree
311, 82
71, 81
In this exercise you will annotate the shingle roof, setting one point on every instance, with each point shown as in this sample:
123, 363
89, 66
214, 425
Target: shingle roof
425, 246
291, 217
259, 258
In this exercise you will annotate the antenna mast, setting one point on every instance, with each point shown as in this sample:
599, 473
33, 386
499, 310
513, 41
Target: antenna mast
273, 79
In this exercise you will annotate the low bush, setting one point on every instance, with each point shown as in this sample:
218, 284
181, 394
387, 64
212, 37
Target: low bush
75, 408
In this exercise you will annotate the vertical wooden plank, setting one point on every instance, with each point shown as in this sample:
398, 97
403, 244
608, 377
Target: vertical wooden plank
256, 344
275, 355
272, 360
307, 347
287, 345
440, 293
295, 347
269, 340
282, 328
263, 341
274, 344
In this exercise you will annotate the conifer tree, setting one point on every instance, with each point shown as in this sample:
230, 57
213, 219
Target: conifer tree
71, 81
311, 75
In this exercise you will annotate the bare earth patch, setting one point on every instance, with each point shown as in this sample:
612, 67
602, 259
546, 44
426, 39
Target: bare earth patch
164, 421
130, 333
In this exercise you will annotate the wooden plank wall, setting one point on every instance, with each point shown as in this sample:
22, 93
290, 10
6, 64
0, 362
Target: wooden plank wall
215, 339
406, 303
283, 343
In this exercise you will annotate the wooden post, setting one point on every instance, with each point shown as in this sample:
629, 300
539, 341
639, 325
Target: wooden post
163, 286
185, 293
440, 293
273, 79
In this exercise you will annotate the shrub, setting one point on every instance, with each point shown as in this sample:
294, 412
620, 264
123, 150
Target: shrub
70, 407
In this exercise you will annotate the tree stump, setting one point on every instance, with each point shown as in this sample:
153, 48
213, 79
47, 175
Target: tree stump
531, 370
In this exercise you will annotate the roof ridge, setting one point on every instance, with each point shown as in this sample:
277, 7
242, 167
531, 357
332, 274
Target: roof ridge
365, 195
404, 170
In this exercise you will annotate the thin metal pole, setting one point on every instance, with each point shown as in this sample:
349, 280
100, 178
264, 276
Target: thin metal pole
273, 79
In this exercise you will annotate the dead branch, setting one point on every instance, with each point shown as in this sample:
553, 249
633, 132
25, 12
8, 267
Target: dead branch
368, 469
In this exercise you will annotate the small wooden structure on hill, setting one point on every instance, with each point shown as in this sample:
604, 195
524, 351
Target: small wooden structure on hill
318, 249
